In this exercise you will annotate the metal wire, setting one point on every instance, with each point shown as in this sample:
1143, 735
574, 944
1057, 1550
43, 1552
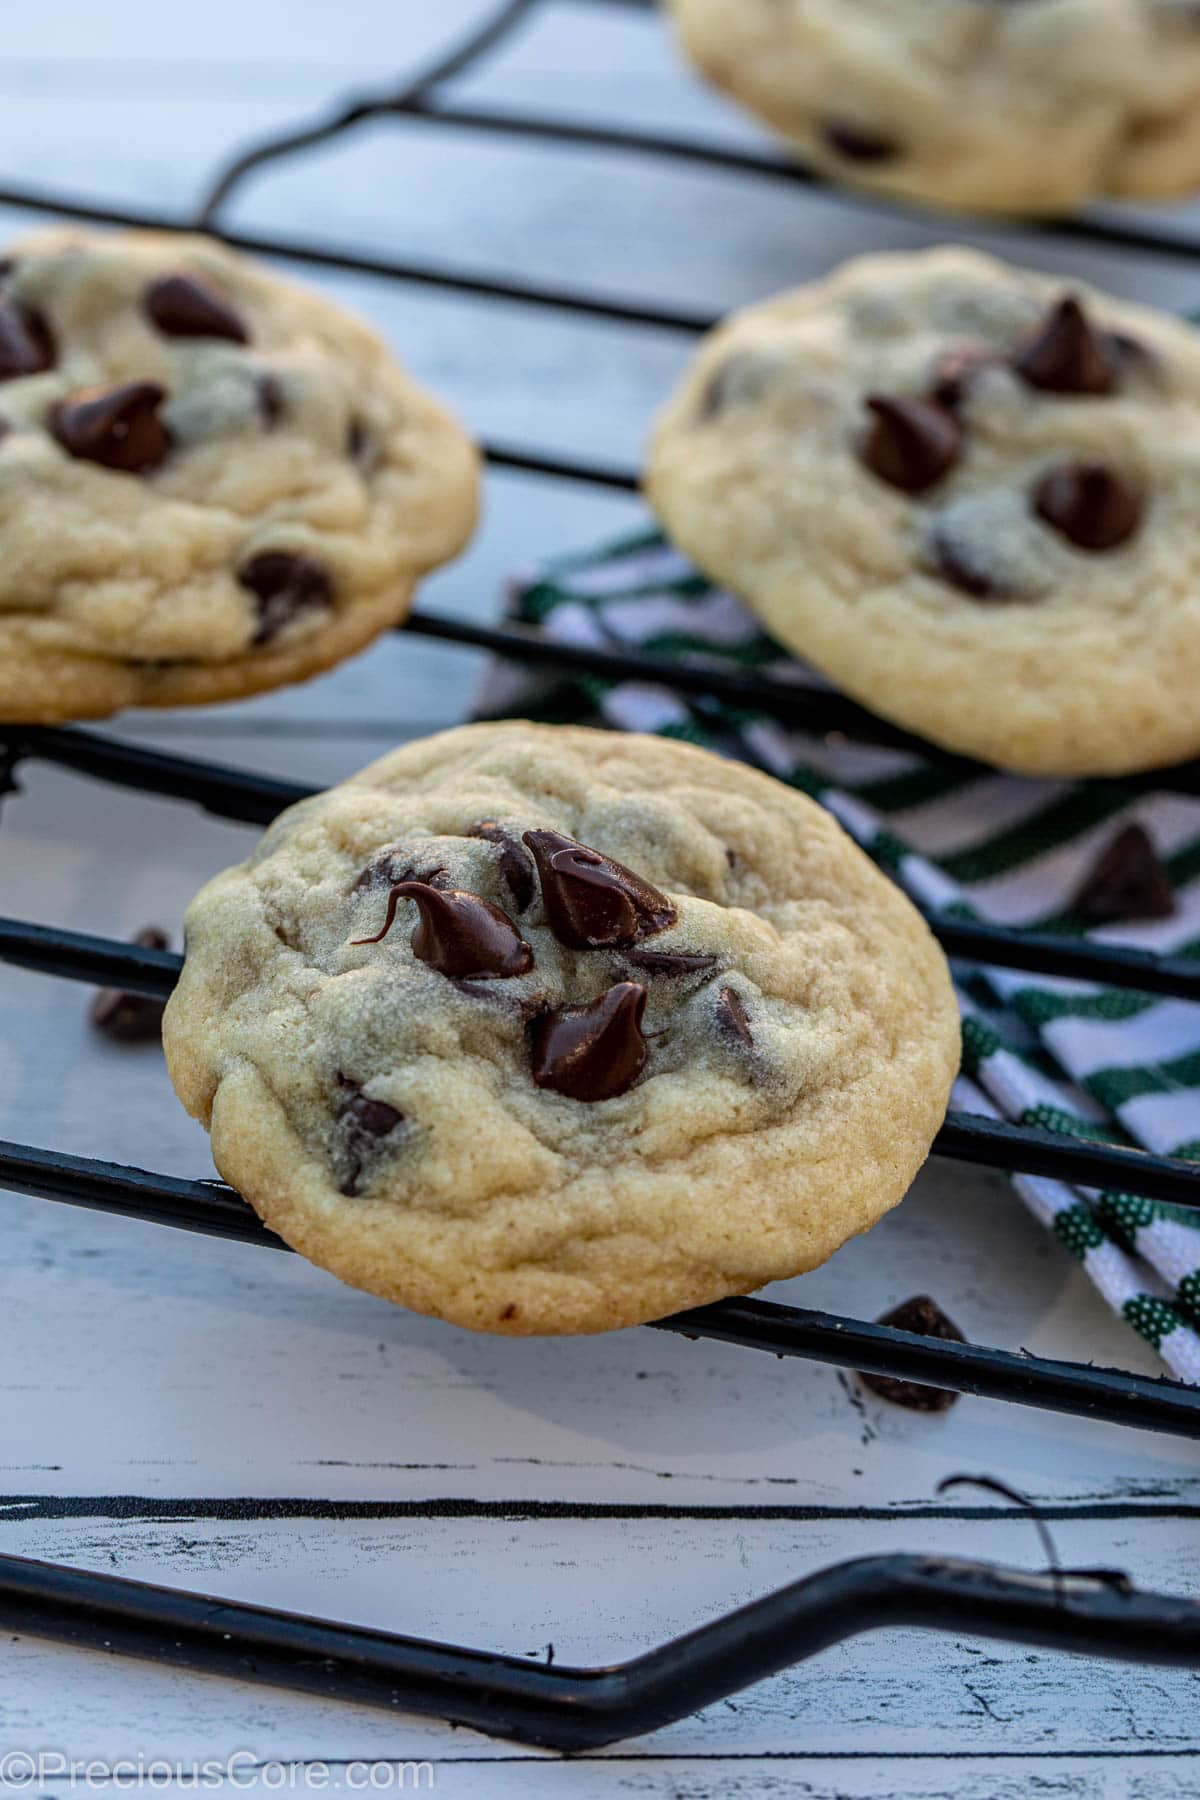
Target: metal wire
795, 702
214, 1210
565, 1708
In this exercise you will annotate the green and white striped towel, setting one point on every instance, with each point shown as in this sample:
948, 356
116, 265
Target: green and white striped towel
1096, 1063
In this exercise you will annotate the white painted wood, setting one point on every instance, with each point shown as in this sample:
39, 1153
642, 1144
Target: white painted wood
141, 1362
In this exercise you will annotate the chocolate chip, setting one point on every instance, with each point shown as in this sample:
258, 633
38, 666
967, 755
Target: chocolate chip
912, 443
26, 347
1092, 506
285, 584
458, 933
118, 427
858, 143
131, 1018
183, 306
1127, 349
742, 377
955, 372
363, 1124
669, 963
393, 865
515, 866
959, 564
269, 395
732, 1018
926, 1318
1127, 882
1065, 355
358, 440
592, 1052
592, 900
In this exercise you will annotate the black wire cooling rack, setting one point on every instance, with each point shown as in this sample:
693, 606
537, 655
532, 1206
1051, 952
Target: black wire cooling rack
1094, 1612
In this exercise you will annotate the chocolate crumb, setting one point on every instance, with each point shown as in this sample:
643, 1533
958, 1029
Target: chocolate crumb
925, 1318
1127, 882
131, 1018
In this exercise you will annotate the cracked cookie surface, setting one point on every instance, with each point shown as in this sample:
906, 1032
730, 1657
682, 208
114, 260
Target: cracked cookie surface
969, 494
211, 482
543, 1029
1007, 105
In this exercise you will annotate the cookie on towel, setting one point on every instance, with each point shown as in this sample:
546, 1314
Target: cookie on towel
969, 494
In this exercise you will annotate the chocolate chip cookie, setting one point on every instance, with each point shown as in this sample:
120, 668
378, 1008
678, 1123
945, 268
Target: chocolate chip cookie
543, 1029
969, 494
1011, 105
211, 482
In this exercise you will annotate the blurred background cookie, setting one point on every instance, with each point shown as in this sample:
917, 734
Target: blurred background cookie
211, 482
969, 494
1010, 107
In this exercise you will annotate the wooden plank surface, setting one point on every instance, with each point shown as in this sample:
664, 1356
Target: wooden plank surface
203, 1414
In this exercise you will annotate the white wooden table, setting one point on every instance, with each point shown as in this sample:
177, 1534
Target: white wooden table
200, 1414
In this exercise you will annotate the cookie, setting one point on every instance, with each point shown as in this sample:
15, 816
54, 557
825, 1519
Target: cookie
211, 482
1010, 105
969, 494
543, 1029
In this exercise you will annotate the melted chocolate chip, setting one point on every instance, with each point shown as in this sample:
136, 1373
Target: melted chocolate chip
183, 306
1127, 882
912, 443
858, 143
955, 372
285, 584
1092, 506
358, 440
131, 1018
515, 866
669, 963
458, 933
592, 1052
118, 427
926, 1318
592, 900
1065, 355
732, 1018
363, 1124
269, 395
26, 347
